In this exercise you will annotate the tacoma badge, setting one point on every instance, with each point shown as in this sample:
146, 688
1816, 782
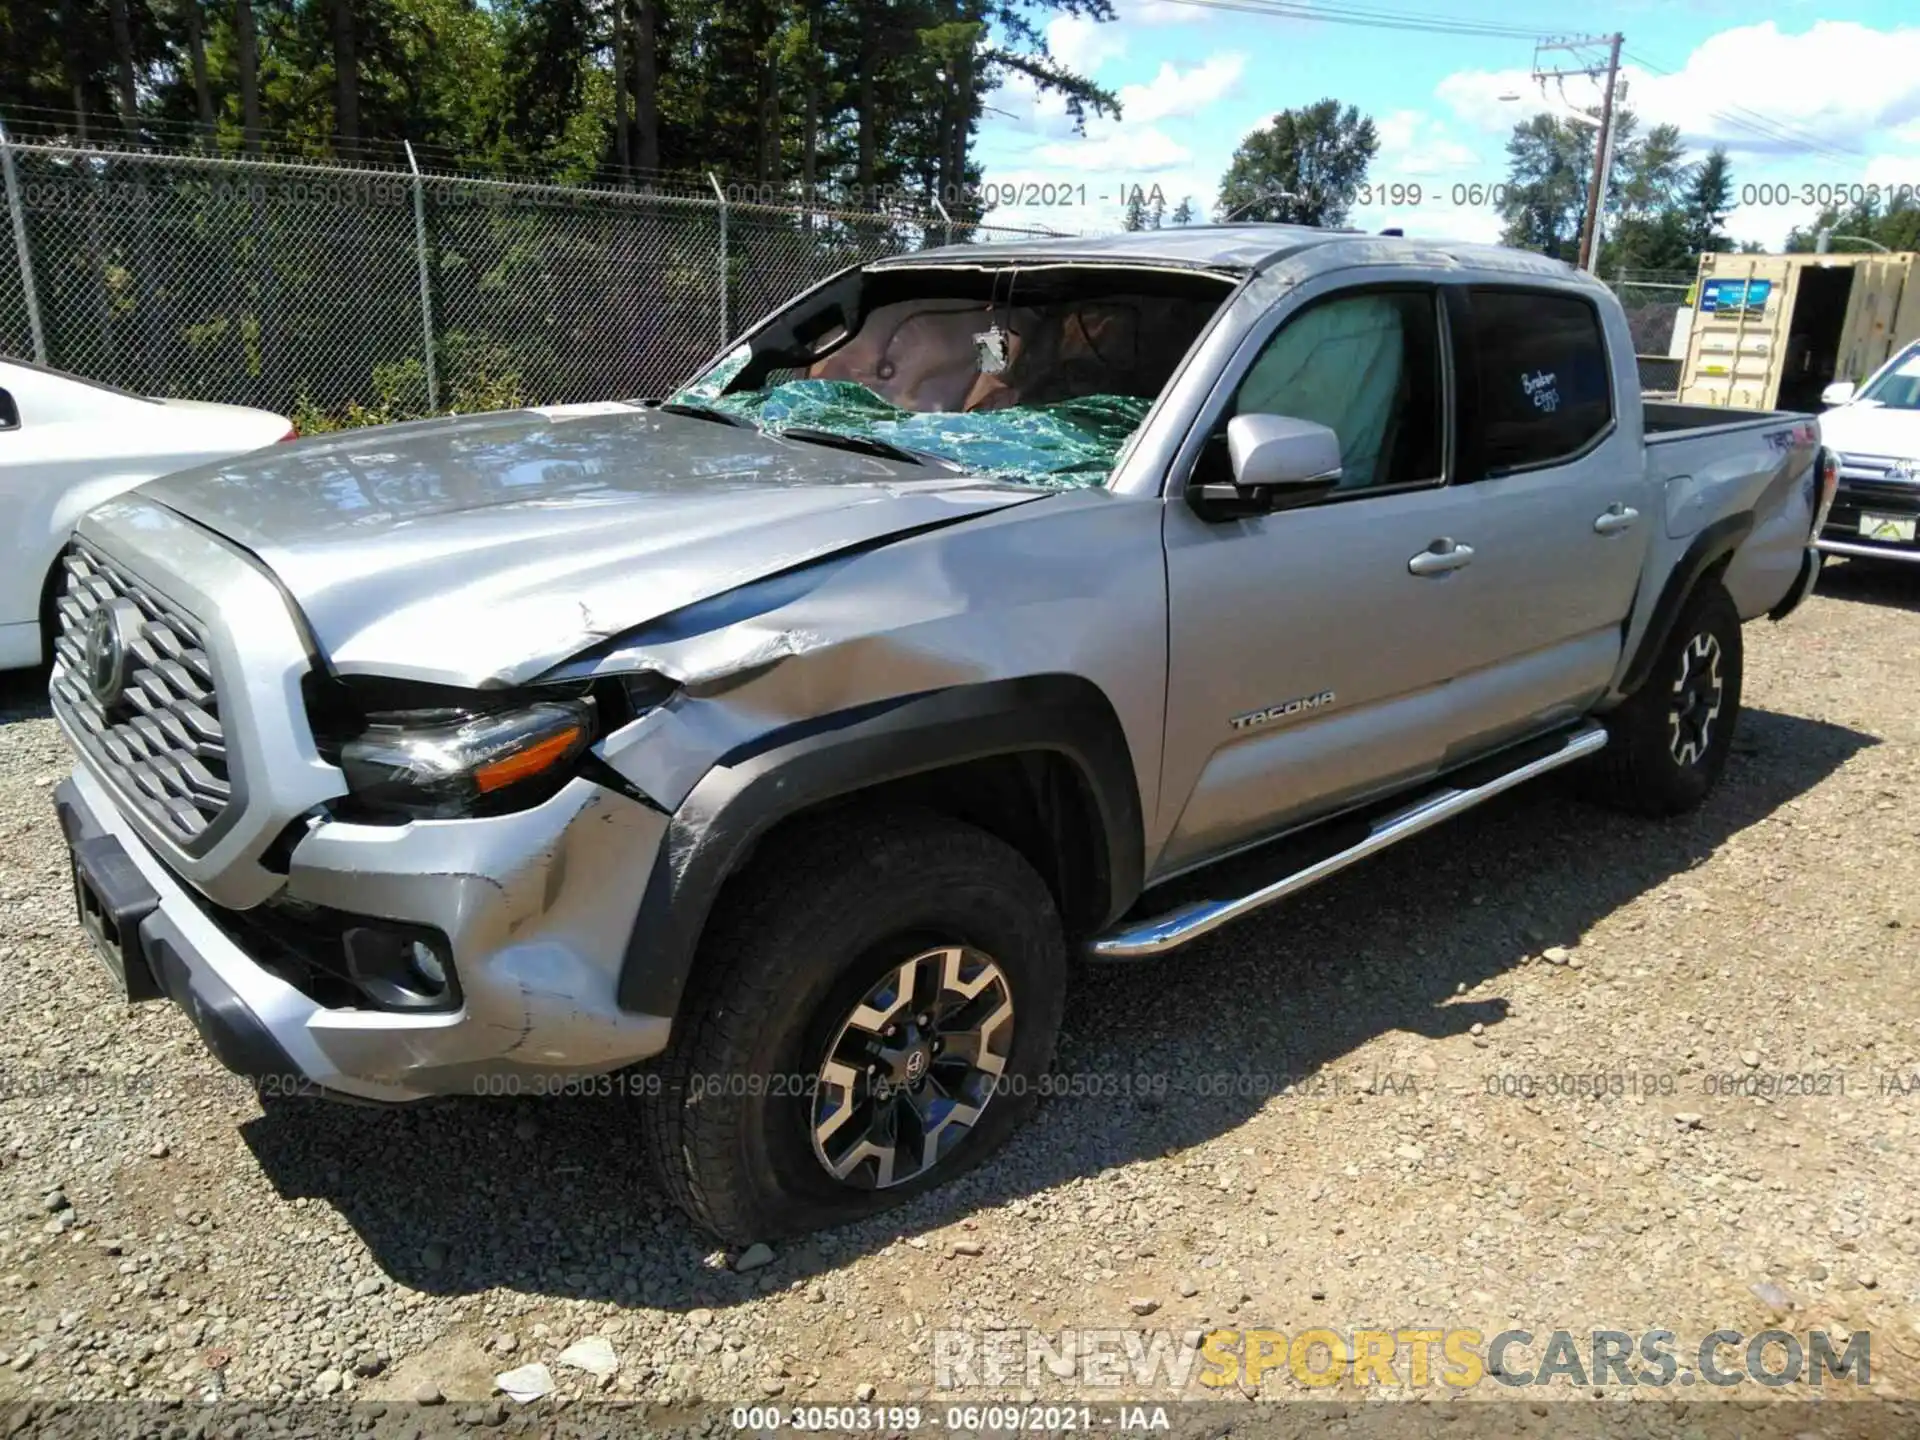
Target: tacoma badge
1281, 711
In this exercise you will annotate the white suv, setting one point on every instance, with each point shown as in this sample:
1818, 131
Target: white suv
1875, 430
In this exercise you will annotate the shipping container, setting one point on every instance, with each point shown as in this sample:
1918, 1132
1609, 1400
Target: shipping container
1770, 332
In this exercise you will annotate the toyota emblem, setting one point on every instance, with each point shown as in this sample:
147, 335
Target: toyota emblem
107, 650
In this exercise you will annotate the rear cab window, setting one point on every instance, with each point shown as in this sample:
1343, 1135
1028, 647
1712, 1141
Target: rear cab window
1540, 377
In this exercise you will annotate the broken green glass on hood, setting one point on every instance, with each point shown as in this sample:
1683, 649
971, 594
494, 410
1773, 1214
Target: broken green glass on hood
1066, 442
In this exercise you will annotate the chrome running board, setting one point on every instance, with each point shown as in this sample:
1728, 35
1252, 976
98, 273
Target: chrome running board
1139, 939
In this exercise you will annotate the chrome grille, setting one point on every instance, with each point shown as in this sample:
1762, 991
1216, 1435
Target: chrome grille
1876, 467
161, 743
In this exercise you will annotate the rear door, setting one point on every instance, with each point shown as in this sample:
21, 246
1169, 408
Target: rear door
1551, 446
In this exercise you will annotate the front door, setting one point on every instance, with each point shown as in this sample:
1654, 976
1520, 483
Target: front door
1310, 651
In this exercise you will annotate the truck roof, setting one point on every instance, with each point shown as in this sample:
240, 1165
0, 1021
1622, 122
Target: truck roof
1238, 249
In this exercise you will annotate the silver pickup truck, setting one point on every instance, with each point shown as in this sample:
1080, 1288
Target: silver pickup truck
791, 734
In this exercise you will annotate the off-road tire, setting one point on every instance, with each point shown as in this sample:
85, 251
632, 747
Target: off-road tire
1656, 761
797, 938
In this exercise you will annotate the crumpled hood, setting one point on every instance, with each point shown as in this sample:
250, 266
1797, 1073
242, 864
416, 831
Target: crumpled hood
1871, 430
483, 550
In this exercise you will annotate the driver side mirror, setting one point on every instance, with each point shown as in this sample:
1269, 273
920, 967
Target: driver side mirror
1838, 393
9, 412
1278, 462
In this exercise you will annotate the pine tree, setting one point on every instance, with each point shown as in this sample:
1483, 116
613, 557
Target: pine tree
1709, 196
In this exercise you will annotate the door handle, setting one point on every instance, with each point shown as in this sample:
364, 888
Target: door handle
1615, 519
1440, 558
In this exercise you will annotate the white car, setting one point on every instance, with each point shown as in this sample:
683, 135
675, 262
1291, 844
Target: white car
66, 444
1875, 431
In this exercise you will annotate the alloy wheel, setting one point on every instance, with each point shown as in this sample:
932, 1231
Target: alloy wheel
1698, 693
912, 1067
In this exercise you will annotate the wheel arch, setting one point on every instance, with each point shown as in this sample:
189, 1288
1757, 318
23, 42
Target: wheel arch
1041, 762
47, 613
1703, 562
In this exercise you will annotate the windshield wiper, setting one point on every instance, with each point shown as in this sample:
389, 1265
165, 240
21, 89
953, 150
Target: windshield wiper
705, 412
860, 444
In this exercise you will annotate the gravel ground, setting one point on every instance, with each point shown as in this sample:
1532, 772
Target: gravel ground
163, 1237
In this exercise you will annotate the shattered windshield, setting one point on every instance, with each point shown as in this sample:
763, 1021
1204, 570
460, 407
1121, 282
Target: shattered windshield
1066, 442
1035, 376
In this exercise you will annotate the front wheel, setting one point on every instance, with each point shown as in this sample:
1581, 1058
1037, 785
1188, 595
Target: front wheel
877, 1000
1669, 742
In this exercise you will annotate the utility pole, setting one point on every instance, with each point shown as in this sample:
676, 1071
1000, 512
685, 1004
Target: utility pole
1603, 144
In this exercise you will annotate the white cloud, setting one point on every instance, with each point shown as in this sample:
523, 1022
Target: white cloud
1897, 172
1476, 98
1031, 115
1083, 46
1839, 83
1416, 146
1160, 12
1755, 89
1091, 173
1134, 150
1174, 92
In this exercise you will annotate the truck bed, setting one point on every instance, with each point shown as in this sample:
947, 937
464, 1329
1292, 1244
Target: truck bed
1715, 466
1667, 418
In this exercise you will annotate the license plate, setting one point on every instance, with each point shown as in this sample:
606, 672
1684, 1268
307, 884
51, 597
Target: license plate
1887, 527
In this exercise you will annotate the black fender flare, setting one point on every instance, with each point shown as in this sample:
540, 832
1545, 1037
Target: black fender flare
799, 766
1714, 544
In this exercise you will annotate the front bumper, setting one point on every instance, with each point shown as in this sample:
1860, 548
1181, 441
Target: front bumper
1894, 499
538, 909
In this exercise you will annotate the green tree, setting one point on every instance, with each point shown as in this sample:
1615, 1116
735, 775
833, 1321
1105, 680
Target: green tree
1304, 167
884, 94
1550, 162
1707, 202
1544, 202
1895, 226
1183, 212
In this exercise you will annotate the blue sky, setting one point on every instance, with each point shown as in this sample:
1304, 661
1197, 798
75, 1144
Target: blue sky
1843, 79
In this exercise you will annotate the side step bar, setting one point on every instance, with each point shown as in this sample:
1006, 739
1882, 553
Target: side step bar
1139, 939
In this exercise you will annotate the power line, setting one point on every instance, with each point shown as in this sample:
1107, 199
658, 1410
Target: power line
1603, 146
1367, 17
1779, 131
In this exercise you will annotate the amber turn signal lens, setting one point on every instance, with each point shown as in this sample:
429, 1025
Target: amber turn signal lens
539, 756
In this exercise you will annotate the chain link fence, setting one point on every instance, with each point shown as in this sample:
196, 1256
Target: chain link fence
345, 296
1653, 300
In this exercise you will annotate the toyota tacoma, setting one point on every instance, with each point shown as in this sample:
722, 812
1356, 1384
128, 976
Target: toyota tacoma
776, 744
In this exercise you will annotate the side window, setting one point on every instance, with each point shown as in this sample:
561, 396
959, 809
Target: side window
1367, 366
1542, 371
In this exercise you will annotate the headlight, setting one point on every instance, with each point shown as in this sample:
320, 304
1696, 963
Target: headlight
425, 765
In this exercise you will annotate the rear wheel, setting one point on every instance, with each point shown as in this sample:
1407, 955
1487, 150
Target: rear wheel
1669, 742
876, 1000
